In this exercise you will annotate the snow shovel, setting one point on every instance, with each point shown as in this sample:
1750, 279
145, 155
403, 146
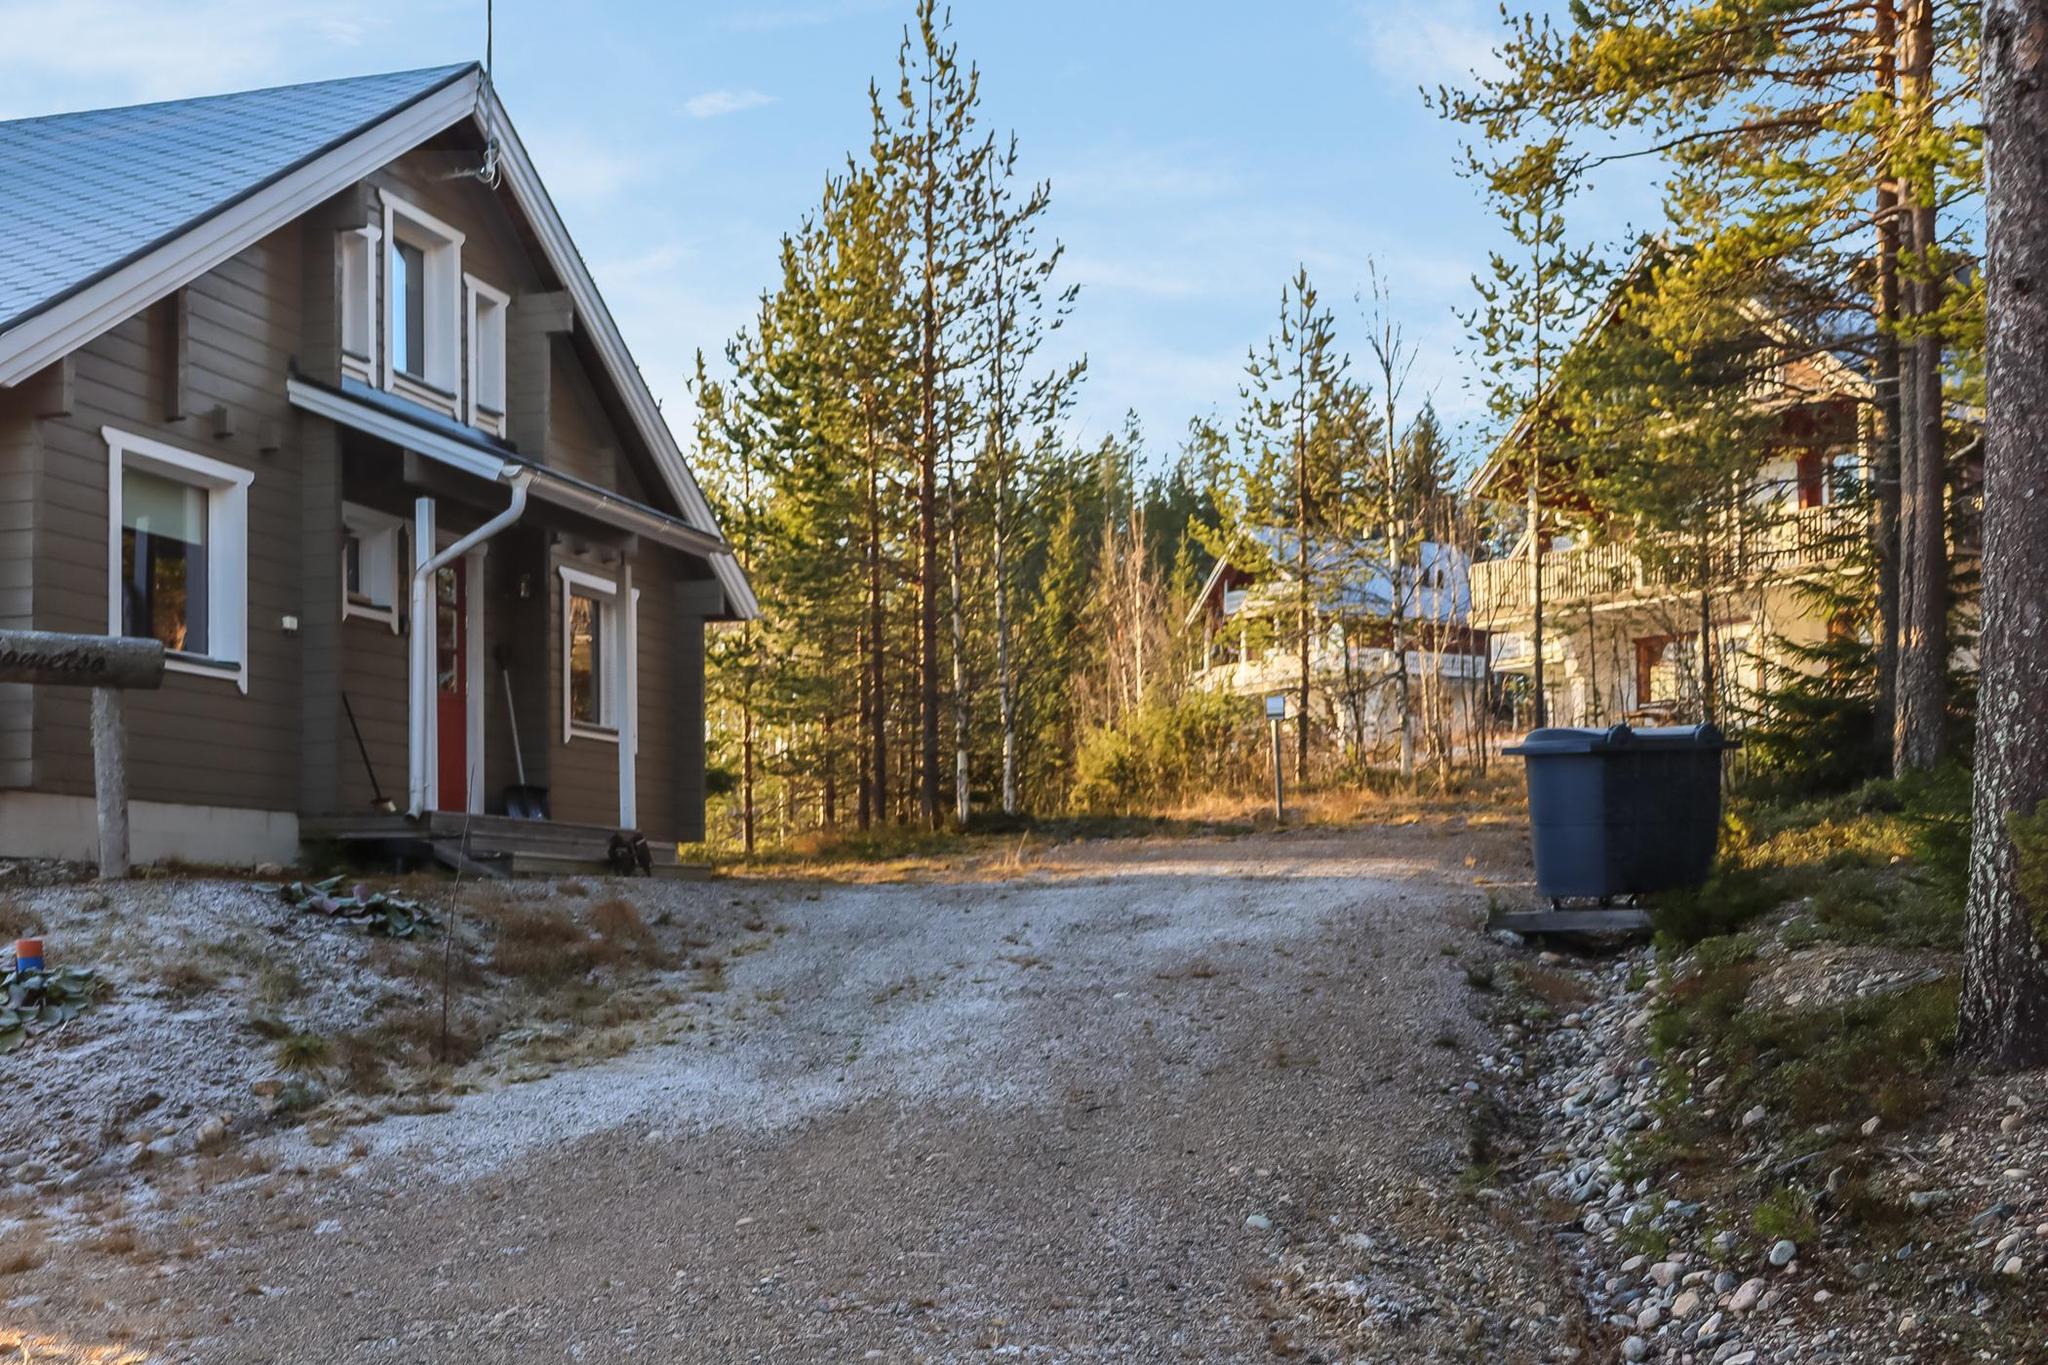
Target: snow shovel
522, 800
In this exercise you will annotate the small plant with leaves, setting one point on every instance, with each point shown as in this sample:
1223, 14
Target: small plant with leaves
34, 1002
379, 913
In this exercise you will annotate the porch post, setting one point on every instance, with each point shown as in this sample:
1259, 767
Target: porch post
628, 700
419, 706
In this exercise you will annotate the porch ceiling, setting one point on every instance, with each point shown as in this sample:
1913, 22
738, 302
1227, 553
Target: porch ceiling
475, 463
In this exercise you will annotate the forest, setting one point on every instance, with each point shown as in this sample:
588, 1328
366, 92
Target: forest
970, 616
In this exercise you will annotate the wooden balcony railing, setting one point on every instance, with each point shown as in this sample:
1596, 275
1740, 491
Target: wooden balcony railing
1788, 541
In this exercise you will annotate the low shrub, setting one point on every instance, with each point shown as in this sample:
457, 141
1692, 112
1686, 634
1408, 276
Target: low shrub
1730, 899
1166, 752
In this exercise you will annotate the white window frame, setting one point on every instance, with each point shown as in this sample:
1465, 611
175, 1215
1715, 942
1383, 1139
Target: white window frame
227, 536
440, 295
360, 251
382, 536
614, 662
486, 353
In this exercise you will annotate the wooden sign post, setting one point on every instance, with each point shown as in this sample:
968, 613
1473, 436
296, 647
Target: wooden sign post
108, 665
1276, 711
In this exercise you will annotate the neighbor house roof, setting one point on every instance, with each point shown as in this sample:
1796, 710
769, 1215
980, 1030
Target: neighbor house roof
107, 211
89, 192
1354, 575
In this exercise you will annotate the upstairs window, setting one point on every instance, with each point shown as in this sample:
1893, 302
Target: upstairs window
177, 554
357, 249
422, 306
486, 355
409, 310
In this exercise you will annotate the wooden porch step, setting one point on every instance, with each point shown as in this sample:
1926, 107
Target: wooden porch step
525, 864
1533, 922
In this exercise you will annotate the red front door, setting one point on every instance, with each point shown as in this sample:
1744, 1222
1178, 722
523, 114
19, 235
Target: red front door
451, 685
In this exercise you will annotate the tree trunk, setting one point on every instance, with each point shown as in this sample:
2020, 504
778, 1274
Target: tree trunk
1885, 524
864, 809
878, 717
747, 774
1306, 615
1922, 677
1006, 693
1540, 714
961, 796
928, 484
2005, 973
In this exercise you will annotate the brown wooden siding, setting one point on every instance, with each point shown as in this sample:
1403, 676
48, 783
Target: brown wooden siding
197, 740
689, 728
18, 443
583, 773
654, 777
286, 745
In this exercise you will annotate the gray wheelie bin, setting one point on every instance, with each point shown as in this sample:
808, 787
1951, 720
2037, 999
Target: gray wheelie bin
1622, 812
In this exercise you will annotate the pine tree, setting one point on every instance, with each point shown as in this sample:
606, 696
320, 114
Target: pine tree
1299, 413
1529, 305
1020, 309
2004, 1003
1815, 150
935, 147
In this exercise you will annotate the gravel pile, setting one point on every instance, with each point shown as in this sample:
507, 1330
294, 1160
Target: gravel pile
1962, 1274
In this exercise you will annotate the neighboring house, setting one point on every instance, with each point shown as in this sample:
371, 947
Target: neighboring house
311, 384
1623, 636
1251, 639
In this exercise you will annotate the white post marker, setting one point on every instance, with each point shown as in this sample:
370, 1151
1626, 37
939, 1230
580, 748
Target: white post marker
1276, 711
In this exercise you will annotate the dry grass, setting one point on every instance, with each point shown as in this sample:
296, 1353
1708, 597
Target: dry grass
15, 920
23, 1253
361, 1063
618, 922
541, 945
187, 976
1561, 992
545, 945
115, 1241
1380, 800
419, 1036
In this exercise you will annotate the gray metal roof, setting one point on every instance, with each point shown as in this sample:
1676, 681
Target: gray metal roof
82, 194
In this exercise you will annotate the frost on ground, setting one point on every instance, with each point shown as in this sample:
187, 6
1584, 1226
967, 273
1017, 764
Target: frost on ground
1139, 1101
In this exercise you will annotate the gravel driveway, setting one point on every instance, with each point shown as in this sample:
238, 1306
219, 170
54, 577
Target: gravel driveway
1146, 1102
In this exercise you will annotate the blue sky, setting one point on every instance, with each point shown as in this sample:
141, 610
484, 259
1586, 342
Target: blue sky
1198, 149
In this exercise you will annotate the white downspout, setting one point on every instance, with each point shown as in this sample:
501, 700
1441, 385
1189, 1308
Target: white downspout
420, 717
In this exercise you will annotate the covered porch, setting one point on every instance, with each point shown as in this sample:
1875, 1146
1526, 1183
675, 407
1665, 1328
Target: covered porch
515, 652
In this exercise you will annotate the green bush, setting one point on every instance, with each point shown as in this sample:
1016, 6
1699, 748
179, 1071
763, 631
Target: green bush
1166, 752
1731, 898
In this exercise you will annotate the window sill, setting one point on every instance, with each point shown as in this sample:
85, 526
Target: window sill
358, 367
368, 612
200, 666
424, 392
604, 733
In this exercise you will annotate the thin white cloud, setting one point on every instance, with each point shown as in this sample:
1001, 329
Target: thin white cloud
758, 18
718, 103
156, 51
1428, 42
582, 169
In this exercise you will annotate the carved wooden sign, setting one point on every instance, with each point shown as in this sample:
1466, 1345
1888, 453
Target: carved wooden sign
48, 658
108, 665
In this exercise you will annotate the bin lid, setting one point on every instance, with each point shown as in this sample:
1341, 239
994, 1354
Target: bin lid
1560, 739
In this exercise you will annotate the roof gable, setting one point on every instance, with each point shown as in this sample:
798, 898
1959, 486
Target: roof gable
249, 182
89, 192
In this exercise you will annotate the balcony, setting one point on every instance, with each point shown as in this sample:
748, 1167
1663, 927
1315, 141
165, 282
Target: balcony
1789, 542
